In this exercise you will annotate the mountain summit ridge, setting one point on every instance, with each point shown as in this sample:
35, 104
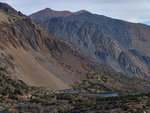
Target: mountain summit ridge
48, 13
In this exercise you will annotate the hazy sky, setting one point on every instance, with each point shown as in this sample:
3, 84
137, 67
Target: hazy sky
131, 10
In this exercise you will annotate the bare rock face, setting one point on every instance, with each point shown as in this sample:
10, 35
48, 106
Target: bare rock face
122, 45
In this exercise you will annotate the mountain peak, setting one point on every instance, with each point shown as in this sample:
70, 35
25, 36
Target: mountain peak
47, 9
81, 11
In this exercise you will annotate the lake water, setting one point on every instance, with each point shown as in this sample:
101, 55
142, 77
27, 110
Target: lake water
74, 91
106, 94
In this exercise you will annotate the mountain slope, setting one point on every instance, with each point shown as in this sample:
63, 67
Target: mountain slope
122, 45
7, 8
23, 64
34, 56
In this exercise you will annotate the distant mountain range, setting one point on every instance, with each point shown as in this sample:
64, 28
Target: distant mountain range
122, 45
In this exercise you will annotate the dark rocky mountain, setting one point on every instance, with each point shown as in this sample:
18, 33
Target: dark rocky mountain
122, 45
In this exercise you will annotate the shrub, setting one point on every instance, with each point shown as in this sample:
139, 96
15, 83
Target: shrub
13, 97
17, 92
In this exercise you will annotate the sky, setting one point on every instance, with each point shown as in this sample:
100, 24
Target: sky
137, 11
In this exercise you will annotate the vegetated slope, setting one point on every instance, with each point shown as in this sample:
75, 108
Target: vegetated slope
122, 45
33, 55
16, 96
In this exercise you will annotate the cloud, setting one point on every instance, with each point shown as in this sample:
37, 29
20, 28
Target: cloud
131, 10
